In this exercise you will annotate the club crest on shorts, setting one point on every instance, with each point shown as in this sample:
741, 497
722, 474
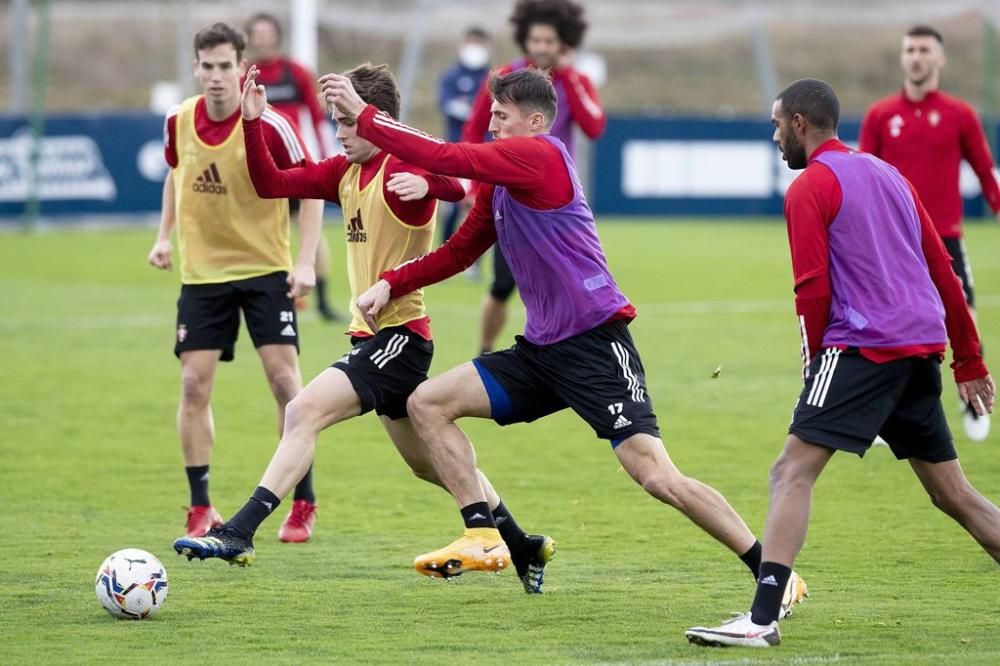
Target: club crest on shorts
182, 333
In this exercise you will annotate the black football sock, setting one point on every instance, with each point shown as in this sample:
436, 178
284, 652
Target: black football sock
198, 482
320, 291
260, 505
304, 489
770, 589
477, 515
751, 558
510, 531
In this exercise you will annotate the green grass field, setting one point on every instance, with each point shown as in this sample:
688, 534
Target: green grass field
92, 464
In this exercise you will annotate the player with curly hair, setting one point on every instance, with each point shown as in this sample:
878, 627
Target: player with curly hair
548, 32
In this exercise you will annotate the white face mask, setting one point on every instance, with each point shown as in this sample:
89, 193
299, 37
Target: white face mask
474, 56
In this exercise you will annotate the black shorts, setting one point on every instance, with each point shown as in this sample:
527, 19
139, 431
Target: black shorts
598, 374
848, 400
503, 280
386, 368
960, 264
208, 315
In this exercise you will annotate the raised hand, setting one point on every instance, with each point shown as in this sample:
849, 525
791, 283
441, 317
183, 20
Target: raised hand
408, 186
338, 91
254, 98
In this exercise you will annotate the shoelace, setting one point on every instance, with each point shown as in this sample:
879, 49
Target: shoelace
736, 617
300, 514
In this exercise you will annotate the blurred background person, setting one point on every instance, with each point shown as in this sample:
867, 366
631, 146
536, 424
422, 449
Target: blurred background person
548, 32
926, 133
456, 91
291, 89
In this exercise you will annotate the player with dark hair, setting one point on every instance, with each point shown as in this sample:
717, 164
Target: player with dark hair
548, 32
291, 89
389, 208
877, 302
926, 133
576, 350
234, 253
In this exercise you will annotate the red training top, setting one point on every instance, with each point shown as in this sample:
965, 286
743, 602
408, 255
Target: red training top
926, 141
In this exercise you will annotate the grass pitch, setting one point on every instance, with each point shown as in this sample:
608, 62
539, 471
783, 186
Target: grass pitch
92, 464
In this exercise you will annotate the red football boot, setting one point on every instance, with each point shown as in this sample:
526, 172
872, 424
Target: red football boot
298, 525
201, 519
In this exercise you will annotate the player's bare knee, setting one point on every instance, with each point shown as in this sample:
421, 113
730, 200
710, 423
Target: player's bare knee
196, 390
668, 488
423, 408
284, 386
952, 501
300, 413
785, 474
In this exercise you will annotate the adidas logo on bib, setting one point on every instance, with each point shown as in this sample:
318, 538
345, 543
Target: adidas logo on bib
209, 182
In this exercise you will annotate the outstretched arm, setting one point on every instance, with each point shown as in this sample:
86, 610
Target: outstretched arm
517, 163
308, 181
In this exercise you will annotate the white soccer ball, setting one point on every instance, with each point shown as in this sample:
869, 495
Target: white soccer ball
131, 584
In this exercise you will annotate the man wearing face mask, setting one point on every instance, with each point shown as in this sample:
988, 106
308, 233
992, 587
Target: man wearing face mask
548, 32
456, 91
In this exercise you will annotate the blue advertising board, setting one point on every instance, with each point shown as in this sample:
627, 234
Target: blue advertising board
112, 163
696, 166
91, 164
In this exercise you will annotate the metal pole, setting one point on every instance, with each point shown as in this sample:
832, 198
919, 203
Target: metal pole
412, 53
304, 33
767, 76
184, 51
989, 80
40, 80
18, 56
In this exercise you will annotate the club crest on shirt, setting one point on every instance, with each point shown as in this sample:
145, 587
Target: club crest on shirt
896, 125
934, 118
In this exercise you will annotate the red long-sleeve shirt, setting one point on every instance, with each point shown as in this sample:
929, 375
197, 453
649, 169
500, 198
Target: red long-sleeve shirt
531, 168
581, 96
811, 205
322, 180
927, 141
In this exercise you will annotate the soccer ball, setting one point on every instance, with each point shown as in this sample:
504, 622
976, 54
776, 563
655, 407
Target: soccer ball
131, 584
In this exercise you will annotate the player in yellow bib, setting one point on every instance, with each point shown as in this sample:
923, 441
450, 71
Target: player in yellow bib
234, 255
389, 209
